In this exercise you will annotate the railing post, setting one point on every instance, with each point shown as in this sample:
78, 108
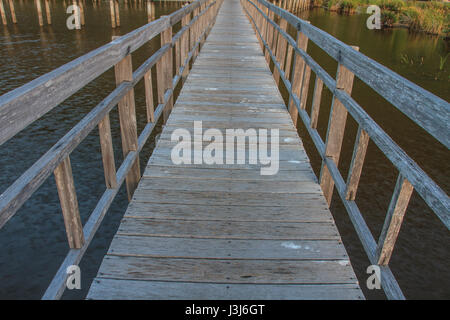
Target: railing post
164, 73
117, 12
269, 35
394, 218
336, 127
69, 204
47, 11
298, 69
185, 46
109, 166
359, 153
13, 11
77, 15
317, 97
2, 13
149, 96
113, 14
281, 51
127, 115
39, 12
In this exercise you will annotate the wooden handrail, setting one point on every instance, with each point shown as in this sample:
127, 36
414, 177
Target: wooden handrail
28, 103
350, 61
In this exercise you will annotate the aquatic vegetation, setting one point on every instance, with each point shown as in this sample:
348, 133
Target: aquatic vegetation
432, 17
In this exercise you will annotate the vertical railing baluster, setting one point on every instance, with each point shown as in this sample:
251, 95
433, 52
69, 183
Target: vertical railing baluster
281, 51
394, 218
359, 153
69, 204
317, 97
298, 69
336, 128
109, 166
128, 129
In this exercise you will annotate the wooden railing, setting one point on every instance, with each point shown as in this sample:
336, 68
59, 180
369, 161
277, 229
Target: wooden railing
28, 103
428, 111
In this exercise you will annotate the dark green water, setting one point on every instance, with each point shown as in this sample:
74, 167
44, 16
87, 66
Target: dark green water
421, 254
34, 241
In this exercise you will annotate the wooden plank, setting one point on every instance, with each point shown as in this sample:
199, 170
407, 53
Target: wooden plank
218, 229
128, 128
226, 174
69, 204
103, 288
227, 198
308, 212
138, 246
393, 221
226, 224
242, 186
227, 271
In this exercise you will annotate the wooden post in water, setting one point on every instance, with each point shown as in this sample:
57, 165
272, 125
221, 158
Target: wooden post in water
69, 204
77, 15
128, 129
47, 10
3, 13
113, 15
116, 6
336, 128
39, 12
81, 5
13, 11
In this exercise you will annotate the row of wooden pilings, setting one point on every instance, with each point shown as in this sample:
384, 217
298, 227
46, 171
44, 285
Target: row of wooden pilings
293, 5
78, 11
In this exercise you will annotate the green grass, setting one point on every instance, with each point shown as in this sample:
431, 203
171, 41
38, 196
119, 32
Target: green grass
428, 16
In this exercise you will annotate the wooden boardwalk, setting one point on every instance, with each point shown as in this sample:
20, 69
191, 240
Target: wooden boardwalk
226, 231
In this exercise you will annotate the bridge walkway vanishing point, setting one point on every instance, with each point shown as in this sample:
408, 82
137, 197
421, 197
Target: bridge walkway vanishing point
205, 231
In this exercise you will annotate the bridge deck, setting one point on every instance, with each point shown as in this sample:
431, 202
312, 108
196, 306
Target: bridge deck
226, 231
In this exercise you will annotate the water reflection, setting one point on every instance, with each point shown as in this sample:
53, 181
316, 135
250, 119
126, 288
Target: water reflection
34, 240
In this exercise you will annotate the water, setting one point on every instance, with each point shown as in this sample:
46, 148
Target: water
34, 240
421, 254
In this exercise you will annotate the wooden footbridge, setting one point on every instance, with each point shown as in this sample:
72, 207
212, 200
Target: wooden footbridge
223, 230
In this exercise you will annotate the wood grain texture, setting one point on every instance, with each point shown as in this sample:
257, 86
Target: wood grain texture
198, 226
69, 204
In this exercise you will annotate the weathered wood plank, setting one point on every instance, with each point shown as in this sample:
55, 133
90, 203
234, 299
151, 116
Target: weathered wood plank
219, 229
227, 249
308, 212
115, 289
228, 271
69, 204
